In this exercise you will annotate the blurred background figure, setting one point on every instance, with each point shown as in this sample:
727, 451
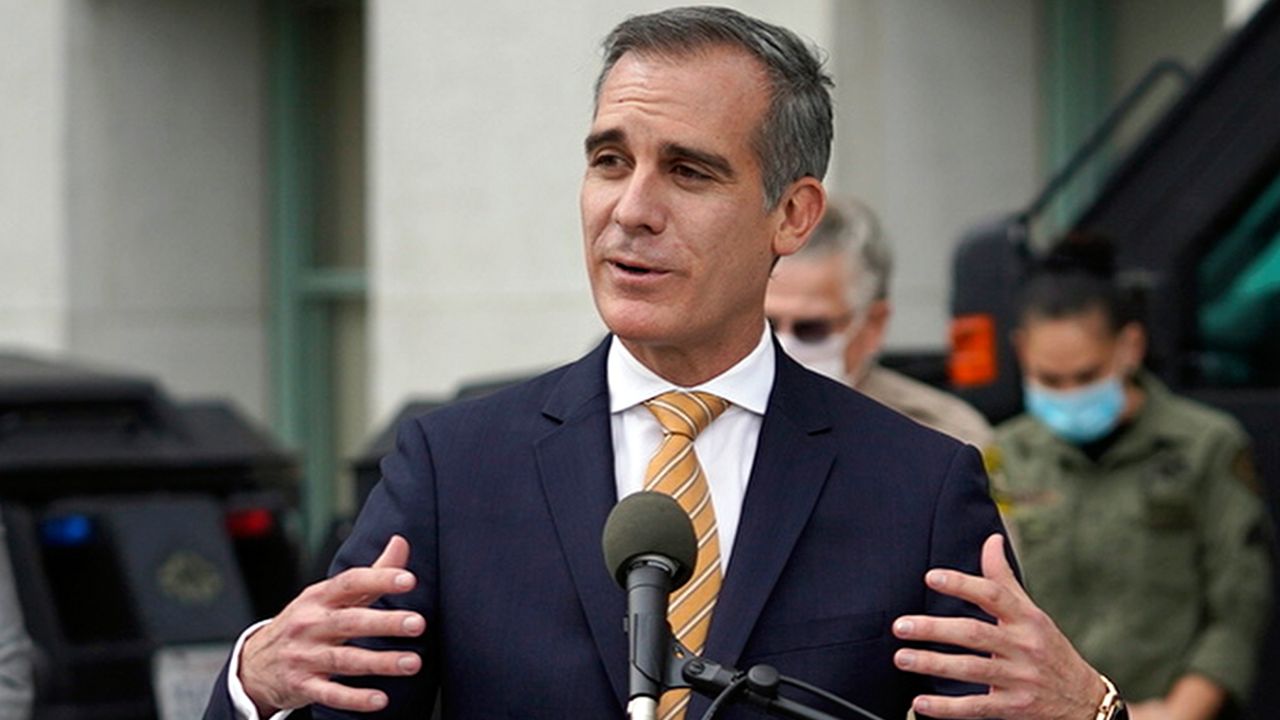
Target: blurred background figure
15, 647
1138, 514
829, 305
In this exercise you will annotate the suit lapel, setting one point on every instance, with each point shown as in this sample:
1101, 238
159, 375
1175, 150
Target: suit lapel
575, 465
793, 459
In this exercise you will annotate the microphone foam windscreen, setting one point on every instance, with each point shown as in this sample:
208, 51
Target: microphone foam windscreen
649, 523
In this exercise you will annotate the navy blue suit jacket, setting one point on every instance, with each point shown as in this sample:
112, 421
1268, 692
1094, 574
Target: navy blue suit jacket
503, 500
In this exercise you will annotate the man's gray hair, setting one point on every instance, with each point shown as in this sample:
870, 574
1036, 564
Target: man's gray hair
850, 229
794, 139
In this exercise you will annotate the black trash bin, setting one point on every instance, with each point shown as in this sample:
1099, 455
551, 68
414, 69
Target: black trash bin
145, 535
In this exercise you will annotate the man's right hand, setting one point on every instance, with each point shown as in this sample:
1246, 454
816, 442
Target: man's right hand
287, 663
1031, 670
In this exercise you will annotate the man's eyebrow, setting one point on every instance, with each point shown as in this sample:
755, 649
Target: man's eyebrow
670, 151
718, 163
604, 137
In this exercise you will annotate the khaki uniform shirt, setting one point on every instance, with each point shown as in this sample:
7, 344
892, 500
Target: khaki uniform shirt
1154, 560
926, 405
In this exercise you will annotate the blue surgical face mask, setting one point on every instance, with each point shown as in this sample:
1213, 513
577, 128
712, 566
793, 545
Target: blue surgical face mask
1079, 415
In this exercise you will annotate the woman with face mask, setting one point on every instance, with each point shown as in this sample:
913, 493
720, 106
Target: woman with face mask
1137, 514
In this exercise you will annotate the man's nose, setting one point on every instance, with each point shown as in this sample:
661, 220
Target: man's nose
640, 208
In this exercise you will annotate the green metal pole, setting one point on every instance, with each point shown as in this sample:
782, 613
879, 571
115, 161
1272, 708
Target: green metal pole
317, 376
286, 236
303, 294
303, 407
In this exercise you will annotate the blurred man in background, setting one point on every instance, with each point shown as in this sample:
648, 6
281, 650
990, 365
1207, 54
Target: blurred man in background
829, 304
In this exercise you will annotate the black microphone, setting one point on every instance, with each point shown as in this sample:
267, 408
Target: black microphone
651, 550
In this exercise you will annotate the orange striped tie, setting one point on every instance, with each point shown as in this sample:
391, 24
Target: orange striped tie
674, 470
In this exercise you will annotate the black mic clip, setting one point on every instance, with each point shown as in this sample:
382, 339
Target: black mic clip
757, 686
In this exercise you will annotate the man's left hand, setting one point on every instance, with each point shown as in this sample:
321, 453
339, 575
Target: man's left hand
1031, 669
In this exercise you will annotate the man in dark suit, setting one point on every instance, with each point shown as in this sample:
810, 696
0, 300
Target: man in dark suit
480, 550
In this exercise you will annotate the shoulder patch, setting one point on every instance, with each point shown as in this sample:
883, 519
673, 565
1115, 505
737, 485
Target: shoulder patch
996, 485
991, 459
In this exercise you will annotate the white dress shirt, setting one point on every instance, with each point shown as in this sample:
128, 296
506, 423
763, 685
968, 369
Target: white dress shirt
726, 449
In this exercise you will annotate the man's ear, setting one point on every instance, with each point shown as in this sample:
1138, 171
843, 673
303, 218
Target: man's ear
798, 213
1132, 346
866, 342
876, 324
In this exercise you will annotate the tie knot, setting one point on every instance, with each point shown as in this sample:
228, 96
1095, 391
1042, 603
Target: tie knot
686, 413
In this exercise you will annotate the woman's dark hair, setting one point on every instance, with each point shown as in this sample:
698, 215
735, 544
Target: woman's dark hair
1077, 277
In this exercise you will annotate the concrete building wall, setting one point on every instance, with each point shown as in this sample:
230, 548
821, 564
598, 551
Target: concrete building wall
936, 129
33, 119
167, 202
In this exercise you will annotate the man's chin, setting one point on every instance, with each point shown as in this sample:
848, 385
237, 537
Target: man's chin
640, 333
636, 320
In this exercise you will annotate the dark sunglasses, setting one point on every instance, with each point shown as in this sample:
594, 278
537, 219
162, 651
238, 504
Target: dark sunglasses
810, 330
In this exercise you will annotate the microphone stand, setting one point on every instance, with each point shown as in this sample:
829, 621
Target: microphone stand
710, 678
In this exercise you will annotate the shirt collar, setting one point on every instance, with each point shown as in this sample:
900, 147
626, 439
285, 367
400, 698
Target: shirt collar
747, 384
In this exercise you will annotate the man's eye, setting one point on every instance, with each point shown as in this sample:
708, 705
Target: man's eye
606, 160
691, 173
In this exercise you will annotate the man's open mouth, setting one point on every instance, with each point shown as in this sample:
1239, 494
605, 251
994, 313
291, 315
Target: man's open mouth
633, 269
